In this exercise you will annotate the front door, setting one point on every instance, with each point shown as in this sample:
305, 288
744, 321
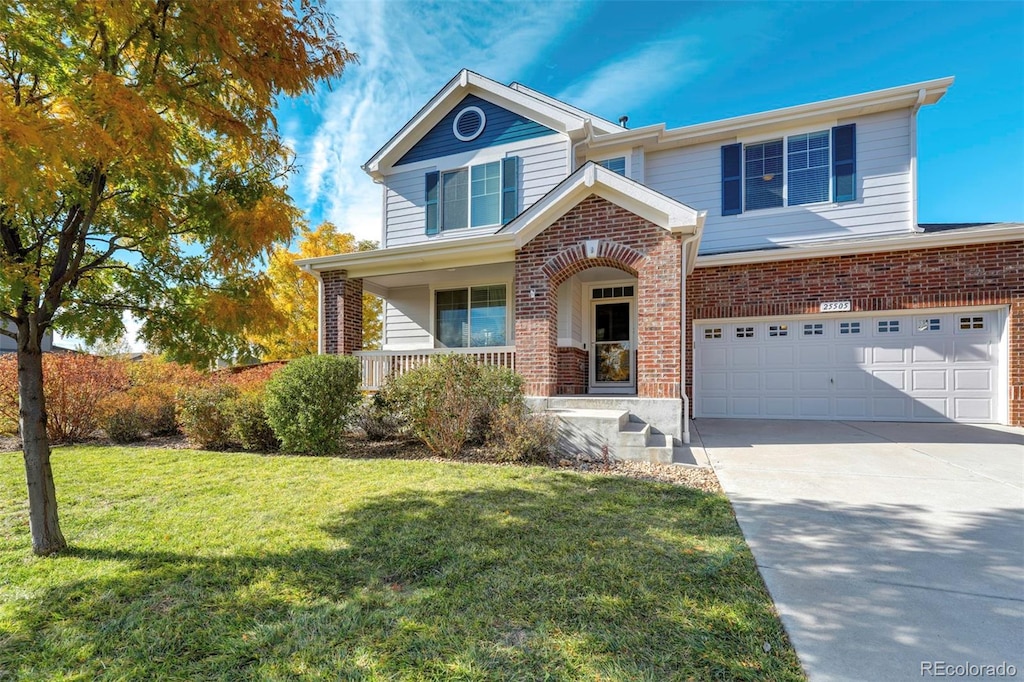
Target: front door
613, 359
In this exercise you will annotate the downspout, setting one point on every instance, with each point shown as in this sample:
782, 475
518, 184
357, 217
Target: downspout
913, 160
587, 138
682, 325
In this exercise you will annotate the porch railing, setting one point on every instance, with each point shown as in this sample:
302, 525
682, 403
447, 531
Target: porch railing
377, 365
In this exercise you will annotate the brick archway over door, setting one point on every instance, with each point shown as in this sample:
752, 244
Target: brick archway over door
627, 242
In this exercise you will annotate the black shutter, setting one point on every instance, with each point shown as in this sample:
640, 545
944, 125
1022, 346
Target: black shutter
732, 179
509, 189
430, 195
844, 162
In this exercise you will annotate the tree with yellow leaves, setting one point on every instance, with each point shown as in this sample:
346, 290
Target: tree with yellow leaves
293, 294
141, 169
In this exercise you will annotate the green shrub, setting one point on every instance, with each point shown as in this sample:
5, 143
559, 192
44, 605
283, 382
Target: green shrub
311, 401
379, 419
204, 413
249, 423
122, 418
519, 435
450, 400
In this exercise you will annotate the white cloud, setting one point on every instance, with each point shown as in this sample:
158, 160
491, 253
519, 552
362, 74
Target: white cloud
637, 78
407, 53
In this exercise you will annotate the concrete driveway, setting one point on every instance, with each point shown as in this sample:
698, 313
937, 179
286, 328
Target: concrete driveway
893, 551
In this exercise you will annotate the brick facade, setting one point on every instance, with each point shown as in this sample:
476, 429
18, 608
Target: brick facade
572, 371
343, 313
982, 274
628, 243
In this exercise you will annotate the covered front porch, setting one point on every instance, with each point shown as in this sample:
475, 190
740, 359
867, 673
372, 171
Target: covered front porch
582, 295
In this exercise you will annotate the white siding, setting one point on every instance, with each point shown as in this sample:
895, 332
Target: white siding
692, 175
542, 166
407, 319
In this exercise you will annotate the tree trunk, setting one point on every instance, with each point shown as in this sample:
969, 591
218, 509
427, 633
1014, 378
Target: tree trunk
42, 497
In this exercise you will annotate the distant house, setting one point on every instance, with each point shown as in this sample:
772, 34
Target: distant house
766, 266
9, 345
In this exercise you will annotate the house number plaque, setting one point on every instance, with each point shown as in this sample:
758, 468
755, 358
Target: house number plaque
834, 306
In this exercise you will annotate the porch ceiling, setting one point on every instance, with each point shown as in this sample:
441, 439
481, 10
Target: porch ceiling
441, 277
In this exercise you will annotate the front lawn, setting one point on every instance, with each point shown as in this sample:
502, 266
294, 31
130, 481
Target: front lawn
190, 564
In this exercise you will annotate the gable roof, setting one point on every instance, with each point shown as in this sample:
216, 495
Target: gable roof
655, 207
540, 108
482, 249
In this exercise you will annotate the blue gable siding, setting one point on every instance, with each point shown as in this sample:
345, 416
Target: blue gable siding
502, 127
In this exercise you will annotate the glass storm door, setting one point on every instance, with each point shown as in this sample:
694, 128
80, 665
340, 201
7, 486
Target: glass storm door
613, 357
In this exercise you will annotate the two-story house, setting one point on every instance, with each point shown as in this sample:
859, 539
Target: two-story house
765, 266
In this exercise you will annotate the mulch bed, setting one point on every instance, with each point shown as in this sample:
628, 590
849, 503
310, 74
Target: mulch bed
360, 448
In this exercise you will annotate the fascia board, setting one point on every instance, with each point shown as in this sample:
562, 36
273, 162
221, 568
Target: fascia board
599, 124
465, 83
593, 179
909, 241
479, 250
905, 96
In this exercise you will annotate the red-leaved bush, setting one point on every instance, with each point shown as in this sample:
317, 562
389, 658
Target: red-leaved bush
74, 385
251, 379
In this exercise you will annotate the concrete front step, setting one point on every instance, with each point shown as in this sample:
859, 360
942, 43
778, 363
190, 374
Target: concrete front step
593, 430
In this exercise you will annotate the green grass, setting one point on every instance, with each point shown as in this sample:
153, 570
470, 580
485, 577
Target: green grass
223, 565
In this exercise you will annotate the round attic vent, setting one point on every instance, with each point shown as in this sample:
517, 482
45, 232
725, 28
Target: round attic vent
469, 123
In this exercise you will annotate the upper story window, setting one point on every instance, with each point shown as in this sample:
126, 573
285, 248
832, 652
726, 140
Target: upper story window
476, 196
800, 169
616, 165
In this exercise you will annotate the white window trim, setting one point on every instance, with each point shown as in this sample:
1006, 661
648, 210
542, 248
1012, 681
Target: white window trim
441, 229
784, 135
449, 286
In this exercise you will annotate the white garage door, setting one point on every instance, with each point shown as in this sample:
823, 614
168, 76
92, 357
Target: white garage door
891, 366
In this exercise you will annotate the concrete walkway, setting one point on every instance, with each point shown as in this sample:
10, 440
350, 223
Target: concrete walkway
887, 547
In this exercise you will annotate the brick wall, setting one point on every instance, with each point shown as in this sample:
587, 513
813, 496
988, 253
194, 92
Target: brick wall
343, 313
982, 274
628, 243
572, 371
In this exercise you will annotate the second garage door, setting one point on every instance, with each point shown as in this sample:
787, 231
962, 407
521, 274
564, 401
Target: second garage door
883, 366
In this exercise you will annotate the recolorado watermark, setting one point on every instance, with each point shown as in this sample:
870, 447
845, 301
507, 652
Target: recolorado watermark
967, 669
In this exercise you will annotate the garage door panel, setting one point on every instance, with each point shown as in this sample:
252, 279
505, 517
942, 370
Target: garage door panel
815, 407
713, 356
889, 355
972, 379
972, 409
746, 406
779, 381
780, 407
814, 354
850, 354
895, 379
744, 357
714, 381
929, 379
881, 366
852, 408
935, 351
930, 409
746, 381
779, 356
855, 380
814, 381
966, 351
894, 407
714, 406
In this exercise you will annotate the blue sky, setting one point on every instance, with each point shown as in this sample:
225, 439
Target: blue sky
678, 63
